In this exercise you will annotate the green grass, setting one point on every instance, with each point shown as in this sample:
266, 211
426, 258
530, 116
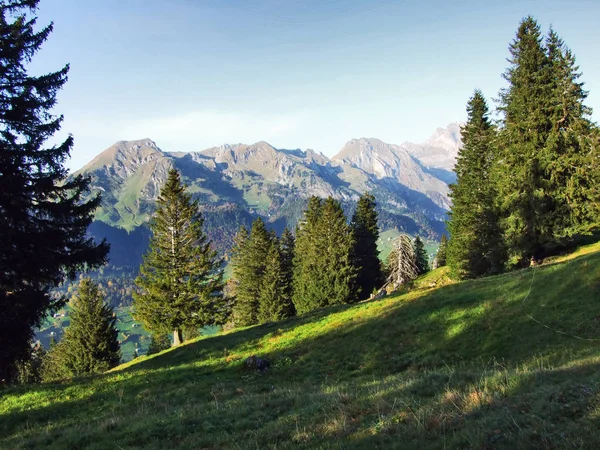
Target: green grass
256, 198
507, 362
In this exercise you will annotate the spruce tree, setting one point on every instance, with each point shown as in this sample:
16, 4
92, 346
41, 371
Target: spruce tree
272, 302
440, 257
288, 249
569, 151
249, 264
43, 213
421, 260
324, 272
90, 342
365, 253
180, 282
475, 248
523, 187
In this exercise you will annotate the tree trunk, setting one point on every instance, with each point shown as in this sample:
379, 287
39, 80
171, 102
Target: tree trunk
177, 337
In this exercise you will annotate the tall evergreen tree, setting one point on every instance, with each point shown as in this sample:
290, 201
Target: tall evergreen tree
249, 264
569, 151
475, 248
440, 257
288, 249
43, 214
273, 304
527, 108
365, 253
90, 342
180, 280
324, 273
421, 260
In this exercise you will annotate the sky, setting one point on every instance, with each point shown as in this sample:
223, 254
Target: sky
194, 74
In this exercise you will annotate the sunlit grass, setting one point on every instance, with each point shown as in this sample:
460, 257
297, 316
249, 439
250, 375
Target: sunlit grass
504, 362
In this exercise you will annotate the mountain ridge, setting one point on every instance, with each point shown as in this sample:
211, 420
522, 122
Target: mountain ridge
234, 183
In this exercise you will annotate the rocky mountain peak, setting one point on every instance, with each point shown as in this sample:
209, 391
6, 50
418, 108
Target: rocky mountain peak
448, 138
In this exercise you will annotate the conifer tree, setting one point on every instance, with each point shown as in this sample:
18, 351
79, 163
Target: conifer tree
523, 186
324, 272
180, 279
90, 342
43, 214
401, 262
365, 253
272, 302
475, 247
288, 249
249, 264
421, 260
440, 257
569, 151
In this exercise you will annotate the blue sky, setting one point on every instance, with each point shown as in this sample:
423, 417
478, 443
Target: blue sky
192, 74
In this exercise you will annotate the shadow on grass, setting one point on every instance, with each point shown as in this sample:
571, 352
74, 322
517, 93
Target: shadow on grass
422, 340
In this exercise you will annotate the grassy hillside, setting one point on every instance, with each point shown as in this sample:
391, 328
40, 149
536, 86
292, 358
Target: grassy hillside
508, 362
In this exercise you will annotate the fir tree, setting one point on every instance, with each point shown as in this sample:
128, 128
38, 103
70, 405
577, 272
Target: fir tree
475, 247
569, 150
249, 264
43, 214
288, 249
523, 186
421, 260
440, 257
324, 273
365, 253
272, 302
90, 342
180, 280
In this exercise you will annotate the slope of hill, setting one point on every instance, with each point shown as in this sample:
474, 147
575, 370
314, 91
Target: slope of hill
506, 362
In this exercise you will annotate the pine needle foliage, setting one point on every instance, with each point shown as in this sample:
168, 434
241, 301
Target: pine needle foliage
548, 175
44, 213
324, 270
475, 248
571, 164
262, 268
440, 257
365, 253
90, 343
421, 259
249, 262
181, 280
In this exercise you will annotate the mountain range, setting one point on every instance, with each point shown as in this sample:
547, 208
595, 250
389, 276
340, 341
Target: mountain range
236, 183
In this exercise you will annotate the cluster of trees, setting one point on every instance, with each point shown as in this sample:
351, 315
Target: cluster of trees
262, 275
530, 183
328, 262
